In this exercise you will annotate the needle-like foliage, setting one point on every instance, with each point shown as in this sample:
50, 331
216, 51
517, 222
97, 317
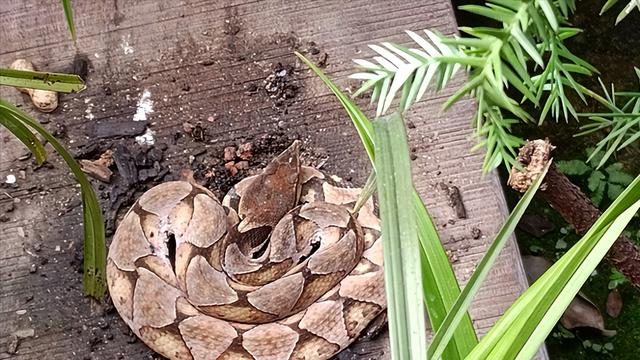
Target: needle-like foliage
530, 41
625, 11
623, 122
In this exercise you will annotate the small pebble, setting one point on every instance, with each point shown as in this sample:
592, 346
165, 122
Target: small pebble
33, 269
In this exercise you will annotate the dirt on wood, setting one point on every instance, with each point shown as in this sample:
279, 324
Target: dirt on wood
170, 86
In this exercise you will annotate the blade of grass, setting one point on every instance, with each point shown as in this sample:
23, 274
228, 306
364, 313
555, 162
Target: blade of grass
568, 293
64, 83
402, 273
459, 308
440, 286
95, 250
516, 326
68, 13
17, 128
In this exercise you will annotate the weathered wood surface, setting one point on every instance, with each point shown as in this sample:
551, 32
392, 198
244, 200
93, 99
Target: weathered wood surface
202, 61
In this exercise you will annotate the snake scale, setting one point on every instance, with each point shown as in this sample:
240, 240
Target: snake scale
281, 269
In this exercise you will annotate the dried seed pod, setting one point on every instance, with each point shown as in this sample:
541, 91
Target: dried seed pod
44, 100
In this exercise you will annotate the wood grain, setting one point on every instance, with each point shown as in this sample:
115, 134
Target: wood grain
218, 51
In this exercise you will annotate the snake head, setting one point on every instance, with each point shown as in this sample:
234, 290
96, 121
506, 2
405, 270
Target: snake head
273, 192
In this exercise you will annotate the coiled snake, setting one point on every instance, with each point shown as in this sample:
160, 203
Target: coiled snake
280, 270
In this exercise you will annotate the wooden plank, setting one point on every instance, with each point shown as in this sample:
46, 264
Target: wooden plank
198, 61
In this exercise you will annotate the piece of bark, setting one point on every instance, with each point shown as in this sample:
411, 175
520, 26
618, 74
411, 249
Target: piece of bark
119, 129
572, 204
126, 166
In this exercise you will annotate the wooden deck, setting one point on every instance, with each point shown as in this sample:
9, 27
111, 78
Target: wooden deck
206, 61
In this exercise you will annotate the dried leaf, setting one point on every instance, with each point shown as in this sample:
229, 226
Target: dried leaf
614, 303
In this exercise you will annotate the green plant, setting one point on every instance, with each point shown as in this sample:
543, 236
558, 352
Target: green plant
68, 13
615, 279
623, 124
496, 59
523, 328
625, 11
18, 122
608, 183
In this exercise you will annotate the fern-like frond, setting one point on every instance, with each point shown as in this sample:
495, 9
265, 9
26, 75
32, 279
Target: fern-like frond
409, 71
496, 60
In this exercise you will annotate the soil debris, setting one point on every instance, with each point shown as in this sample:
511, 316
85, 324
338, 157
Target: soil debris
99, 169
125, 164
229, 153
197, 132
231, 166
278, 86
455, 200
244, 151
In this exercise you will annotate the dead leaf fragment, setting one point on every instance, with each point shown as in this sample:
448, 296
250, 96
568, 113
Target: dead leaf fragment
106, 159
614, 303
95, 170
582, 313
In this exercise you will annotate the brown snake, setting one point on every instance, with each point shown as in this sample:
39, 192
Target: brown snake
280, 270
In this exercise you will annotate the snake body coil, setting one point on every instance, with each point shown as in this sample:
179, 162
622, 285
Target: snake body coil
280, 270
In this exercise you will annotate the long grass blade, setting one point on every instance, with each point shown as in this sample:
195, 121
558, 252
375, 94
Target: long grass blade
68, 13
41, 80
509, 336
441, 290
402, 273
459, 308
9, 120
95, 250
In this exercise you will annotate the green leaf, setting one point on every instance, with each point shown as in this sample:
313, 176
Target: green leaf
40, 80
527, 45
573, 167
613, 191
10, 117
547, 9
595, 179
522, 329
620, 178
68, 13
403, 279
95, 250
501, 16
598, 194
459, 308
440, 284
